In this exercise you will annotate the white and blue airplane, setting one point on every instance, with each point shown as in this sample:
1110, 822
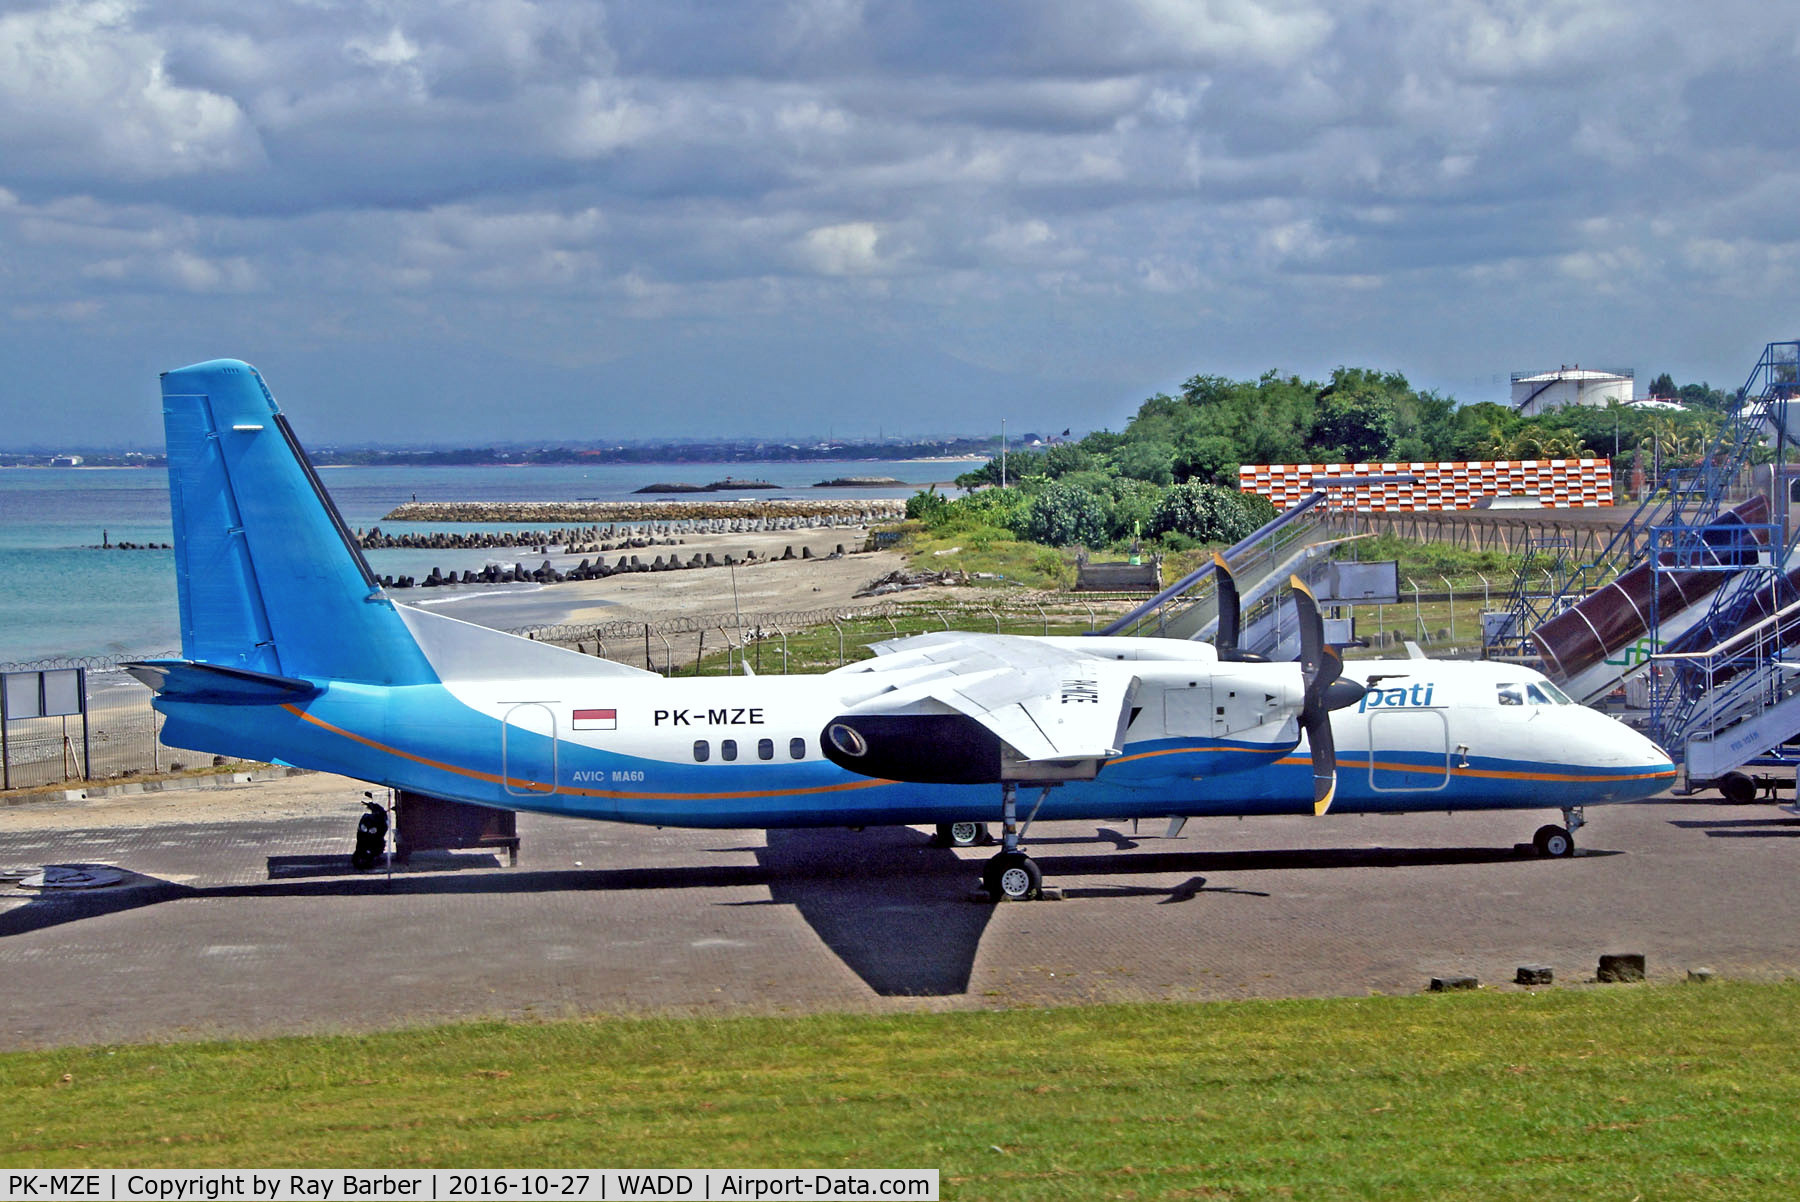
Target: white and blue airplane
293, 653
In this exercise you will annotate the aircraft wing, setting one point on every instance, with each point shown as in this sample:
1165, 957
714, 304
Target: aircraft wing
1054, 710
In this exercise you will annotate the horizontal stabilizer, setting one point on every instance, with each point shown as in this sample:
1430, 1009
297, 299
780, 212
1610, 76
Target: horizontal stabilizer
184, 680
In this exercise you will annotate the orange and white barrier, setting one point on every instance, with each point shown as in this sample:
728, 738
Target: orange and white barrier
1555, 483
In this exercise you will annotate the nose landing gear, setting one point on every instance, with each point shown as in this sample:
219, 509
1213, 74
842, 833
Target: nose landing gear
1558, 842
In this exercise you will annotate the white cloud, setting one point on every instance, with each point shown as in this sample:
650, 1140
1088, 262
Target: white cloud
60, 313
603, 118
1224, 30
395, 50
81, 89
853, 248
1187, 177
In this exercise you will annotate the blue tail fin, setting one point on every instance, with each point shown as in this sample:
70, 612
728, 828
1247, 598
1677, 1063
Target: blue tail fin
270, 578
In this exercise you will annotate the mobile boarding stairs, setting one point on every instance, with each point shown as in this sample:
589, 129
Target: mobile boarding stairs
1293, 544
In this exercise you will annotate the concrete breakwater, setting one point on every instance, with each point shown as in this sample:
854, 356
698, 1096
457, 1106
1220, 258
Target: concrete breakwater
597, 568
576, 540
610, 537
772, 512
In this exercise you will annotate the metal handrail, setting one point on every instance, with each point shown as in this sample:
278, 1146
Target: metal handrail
1748, 631
1204, 570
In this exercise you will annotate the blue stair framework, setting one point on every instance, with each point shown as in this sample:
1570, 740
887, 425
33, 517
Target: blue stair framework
1694, 499
1696, 599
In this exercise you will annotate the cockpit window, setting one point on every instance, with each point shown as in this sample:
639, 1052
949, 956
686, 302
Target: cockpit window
1535, 692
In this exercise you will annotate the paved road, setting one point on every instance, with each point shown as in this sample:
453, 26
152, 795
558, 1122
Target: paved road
247, 920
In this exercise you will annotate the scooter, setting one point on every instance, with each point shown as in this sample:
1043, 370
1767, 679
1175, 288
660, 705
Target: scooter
371, 835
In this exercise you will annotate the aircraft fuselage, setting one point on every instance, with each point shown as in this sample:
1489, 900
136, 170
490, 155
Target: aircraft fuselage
745, 751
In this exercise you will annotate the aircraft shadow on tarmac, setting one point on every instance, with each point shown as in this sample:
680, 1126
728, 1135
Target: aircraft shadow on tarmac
897, 911
1741, 828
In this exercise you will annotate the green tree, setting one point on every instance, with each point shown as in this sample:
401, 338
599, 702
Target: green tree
1355, 428
1130, 508
1066, 458
928, 506
1480, 431
988, 507
1205, 512
1366, 416
1208, 458
1703, 396
1151, 460
1019, 465
1062, 514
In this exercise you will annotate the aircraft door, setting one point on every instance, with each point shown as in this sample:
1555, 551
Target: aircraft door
528, 749
1409, 751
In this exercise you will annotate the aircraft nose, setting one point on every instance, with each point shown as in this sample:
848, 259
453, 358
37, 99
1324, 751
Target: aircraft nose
1648, 765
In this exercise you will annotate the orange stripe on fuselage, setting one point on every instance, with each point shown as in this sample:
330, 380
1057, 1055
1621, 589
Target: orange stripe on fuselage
1245, 748
540, 787
1496, 773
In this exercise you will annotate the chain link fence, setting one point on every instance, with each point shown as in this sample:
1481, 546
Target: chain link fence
117, 736
121, 736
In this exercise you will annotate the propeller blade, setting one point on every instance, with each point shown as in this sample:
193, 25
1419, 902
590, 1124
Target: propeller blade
1324, 761
1320, 666
1312, 632
1230, 612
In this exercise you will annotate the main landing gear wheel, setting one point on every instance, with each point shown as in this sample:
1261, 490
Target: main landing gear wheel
1737, 788
1012, 876
962, 834
1553, 842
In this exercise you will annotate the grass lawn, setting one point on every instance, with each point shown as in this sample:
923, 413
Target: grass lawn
1653, 1092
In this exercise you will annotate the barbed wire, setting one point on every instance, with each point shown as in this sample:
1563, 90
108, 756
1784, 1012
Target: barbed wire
1009, 606
93, 663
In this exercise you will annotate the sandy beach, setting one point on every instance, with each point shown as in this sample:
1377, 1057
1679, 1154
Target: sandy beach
769, 585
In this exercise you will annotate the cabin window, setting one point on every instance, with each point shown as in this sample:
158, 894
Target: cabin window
728, 749
702, 751
1511, 694
797, 749
765, 749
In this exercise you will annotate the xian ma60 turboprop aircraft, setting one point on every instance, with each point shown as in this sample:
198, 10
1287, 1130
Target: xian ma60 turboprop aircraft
291, 652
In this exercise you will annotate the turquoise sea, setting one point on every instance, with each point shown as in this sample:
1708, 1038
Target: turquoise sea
61, 596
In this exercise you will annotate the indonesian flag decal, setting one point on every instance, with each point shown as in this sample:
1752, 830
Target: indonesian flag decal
596, 719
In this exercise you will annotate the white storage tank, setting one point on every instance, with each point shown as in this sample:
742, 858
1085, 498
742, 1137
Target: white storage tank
1540, 392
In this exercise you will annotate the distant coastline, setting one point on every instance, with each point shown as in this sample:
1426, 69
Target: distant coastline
10, 461
566, 512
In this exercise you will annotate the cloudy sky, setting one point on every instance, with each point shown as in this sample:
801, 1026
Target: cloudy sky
437, 221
